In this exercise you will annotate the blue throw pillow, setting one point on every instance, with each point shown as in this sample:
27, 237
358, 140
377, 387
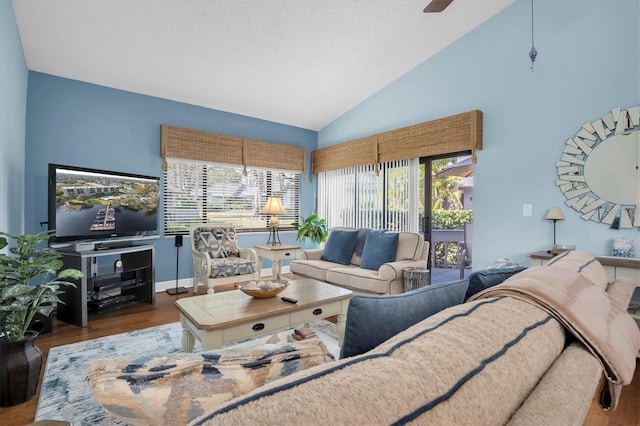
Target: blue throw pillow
379, 248
339, 246
362, 237
372, 319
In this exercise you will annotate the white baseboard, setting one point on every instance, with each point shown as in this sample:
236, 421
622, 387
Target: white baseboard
188, 282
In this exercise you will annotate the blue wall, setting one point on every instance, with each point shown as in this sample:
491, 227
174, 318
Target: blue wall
13, 108
588, 63
75, 123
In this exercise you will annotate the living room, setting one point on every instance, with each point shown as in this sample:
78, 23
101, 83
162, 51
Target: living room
588, 64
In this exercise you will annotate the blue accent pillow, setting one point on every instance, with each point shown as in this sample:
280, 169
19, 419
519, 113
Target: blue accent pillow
372, 319
379, 248
362, 237
339, 246
481, 280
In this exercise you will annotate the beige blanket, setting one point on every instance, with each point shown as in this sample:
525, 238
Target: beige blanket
586, 311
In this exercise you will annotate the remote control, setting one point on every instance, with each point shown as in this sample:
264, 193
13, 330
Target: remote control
289, 299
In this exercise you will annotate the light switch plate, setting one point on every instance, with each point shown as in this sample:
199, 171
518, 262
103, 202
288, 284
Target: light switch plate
527, 210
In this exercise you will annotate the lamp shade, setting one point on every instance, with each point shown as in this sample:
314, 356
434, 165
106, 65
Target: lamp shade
554, 213
273, 206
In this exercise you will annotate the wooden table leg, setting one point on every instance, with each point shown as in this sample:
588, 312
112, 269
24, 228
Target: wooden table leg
188, 339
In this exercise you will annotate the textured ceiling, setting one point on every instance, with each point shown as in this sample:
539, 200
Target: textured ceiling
297, 62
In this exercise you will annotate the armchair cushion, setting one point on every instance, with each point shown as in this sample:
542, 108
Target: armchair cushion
230, 266
379, 248
372, 320
340, 245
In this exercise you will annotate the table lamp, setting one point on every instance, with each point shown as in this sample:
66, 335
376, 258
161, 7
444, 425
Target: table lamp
273, 207
554, 214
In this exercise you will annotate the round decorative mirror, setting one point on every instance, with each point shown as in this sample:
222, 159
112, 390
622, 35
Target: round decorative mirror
599, 172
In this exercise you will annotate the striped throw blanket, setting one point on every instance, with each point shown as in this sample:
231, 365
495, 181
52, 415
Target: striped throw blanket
585, 310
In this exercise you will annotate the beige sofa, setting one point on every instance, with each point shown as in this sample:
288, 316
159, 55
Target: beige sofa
494, 360
412, 251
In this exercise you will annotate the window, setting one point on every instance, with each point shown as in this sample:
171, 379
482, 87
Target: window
196, 192
363, 197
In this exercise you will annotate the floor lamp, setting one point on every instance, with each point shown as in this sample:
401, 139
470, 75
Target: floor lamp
177, 290
273, 207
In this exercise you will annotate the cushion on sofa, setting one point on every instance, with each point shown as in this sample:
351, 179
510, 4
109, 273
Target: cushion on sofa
379, 248
480, 280
362, 237
372, 320
340, 245
316, 269
358, 279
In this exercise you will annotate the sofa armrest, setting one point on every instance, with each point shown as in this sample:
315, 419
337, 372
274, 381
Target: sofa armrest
372, 320
393, 270
620, 291
312, 254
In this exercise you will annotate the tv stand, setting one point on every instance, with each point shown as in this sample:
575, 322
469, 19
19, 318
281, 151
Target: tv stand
114, 277
114, 246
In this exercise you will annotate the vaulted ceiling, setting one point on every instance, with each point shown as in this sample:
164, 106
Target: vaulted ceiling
297, 62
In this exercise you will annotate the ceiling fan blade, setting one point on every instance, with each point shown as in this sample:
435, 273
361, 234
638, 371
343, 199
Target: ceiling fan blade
437, 6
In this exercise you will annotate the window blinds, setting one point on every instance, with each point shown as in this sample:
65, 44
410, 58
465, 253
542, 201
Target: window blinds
196, 192
362, 196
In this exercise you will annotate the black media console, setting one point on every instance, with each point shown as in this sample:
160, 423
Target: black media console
113, 278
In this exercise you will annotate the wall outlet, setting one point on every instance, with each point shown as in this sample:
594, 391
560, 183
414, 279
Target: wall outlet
527, 210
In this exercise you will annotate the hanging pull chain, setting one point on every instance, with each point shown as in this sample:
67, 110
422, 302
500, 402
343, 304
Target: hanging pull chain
533, 52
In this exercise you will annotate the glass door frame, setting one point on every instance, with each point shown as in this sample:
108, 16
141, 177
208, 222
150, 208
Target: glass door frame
427, 185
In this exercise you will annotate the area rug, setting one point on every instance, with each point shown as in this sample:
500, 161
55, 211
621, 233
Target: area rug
65, 395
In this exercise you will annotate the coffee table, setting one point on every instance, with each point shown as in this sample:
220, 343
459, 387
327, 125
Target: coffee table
220, 318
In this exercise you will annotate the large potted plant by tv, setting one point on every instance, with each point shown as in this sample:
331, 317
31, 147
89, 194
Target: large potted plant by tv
312, 231
30, 280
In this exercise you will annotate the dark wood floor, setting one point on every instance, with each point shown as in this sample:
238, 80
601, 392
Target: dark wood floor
164, 312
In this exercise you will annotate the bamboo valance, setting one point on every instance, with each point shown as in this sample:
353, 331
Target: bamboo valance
451, 134
178, 142
348, 154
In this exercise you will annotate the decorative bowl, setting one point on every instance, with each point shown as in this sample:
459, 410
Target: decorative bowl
263, 289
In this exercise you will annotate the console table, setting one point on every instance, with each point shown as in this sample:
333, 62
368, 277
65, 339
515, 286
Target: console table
616, 267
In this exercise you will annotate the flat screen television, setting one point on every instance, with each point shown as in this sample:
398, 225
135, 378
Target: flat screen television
103, 206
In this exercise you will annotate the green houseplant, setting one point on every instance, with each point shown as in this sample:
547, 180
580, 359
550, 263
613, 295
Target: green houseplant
29, 285
312, 228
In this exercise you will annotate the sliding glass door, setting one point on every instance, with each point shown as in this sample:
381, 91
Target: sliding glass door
446, 194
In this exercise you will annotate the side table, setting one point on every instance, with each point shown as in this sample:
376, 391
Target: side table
276, 253
414, 278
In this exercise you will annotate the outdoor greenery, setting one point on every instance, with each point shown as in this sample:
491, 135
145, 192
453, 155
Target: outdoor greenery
450, 219
29, 282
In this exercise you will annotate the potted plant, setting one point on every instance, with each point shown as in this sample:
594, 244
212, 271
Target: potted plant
312, 231
29, 285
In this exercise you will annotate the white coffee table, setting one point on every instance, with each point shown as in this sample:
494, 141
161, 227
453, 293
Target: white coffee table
220, 318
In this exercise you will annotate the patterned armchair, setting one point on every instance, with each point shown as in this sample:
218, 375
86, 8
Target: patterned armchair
217, 259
